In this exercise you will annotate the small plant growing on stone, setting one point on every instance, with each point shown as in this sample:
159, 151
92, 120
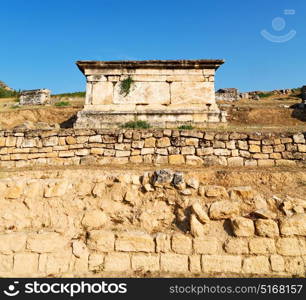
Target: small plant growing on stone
185, 127
136, 125
62, 103
125, 86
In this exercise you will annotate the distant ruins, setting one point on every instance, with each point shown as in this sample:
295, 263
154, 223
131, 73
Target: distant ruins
229, 94
165, 93
35, 97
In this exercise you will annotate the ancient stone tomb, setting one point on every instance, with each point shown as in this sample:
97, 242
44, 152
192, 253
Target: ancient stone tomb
164, 93
35, 97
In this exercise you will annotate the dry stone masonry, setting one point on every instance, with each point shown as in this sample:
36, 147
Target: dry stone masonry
166, 93
157, 146
87, 222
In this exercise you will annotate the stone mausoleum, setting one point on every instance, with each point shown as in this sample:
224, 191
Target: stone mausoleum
165, 93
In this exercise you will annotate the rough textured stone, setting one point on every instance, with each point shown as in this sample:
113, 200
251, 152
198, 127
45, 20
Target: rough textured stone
163, 242
219, 264
176, 159
30, 260
145, 262
181, 244
171, 262
94, 219
135, 241
243, 226
223, 210
205, 245
288, 246
236, 246
46, 242
266, 228
117, 262
277, 263
256, 265
295, 225
195, 263
12, 242
200, 212
262, 246
101, 240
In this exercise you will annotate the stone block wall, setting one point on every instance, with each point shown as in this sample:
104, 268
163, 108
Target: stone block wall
93, 222
159, 147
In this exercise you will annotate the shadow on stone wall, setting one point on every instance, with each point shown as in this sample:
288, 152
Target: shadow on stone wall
68, 123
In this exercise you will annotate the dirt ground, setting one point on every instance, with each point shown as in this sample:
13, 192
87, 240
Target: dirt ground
272, 113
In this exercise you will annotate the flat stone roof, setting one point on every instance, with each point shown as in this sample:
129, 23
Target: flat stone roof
151, 64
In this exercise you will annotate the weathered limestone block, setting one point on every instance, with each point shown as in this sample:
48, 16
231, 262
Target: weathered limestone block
197, 229
242, 193
235, 161
223, 209
101, 240
6, 263
163, 242
200, 212
117, 262
46, 242
295, 266
188, 150
215, 191
236, 246
145, 262
143, 93
134, 242
25, 264
262, 246
243, 145
176, 159
204, 151
288, 246
221, 263
277, 263
50, 141
195, 263
163, 142
256, 265
299, 138
223, 152
192, 92
95, 139
149, 142
193, 160
295, 225
243, 226
205, 245
94, 219
35, 97
181, 244
79, 249
96, 261
12, 242
266, 227
101, 93
175, 263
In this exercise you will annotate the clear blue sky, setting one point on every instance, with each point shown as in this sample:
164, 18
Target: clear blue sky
41, 40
